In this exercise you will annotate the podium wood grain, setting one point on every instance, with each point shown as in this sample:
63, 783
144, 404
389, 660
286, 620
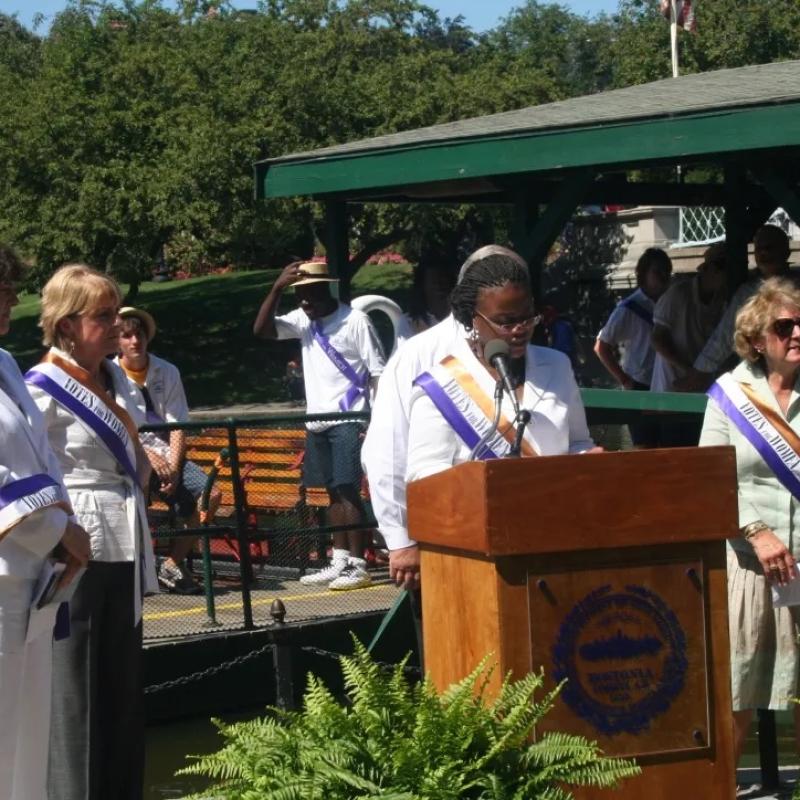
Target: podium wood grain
497, 537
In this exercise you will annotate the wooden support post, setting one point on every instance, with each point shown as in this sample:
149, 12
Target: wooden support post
735, 225
536, 240
337, 243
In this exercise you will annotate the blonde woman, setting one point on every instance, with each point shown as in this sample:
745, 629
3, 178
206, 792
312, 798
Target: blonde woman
756, 408
35, 527
91, 413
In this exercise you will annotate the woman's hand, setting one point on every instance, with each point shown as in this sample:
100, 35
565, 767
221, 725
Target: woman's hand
166, 475
776, 561
75, 542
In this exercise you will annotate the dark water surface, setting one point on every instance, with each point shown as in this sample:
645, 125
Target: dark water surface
167, 746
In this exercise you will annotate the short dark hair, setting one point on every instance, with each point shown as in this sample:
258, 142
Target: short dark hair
493, 270
11, 266
652, 257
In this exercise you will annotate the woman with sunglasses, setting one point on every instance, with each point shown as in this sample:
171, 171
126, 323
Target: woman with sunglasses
756, 408
453, 408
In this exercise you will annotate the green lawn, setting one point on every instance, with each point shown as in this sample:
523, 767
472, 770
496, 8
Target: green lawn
204, 326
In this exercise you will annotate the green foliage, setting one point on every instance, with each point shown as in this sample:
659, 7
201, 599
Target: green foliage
396, 741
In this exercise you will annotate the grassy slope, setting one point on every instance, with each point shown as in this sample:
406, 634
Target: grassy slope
205, 328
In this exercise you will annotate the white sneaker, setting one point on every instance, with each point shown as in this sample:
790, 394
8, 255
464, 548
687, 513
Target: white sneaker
353, 576
326, 575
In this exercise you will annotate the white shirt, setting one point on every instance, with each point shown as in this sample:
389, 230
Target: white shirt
385, 450
164, 385
689, 321
719, 346
631, 334
352, 335
558, 420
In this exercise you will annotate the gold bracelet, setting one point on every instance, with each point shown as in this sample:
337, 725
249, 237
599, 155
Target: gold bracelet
754, 528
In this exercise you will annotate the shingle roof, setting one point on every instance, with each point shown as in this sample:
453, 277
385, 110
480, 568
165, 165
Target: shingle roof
767, 84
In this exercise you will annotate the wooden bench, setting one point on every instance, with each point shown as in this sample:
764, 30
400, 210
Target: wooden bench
270, 463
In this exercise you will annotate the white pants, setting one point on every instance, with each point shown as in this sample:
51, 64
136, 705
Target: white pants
25, 686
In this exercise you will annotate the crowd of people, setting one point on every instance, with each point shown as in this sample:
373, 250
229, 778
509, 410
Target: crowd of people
76, 557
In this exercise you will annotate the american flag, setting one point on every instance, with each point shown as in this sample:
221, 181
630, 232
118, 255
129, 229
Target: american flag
685, 13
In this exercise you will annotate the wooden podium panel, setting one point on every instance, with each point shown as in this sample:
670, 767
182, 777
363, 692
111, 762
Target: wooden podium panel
607, 570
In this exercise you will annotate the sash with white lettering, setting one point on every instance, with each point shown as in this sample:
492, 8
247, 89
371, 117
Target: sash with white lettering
639, 310
88, 408
358, 383
763, 427
22, 497
468, 409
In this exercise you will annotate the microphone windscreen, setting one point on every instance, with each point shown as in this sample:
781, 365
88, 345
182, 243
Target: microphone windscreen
494, 348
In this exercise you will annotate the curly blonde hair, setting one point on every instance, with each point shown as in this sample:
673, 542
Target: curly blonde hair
73, 289
759, 312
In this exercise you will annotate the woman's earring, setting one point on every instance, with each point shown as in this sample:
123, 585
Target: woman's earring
71, 346
473, 335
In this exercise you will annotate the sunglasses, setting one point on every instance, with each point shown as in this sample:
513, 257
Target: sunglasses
783, 327
510, 327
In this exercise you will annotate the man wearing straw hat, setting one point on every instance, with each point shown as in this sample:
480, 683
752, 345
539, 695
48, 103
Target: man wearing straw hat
342, 359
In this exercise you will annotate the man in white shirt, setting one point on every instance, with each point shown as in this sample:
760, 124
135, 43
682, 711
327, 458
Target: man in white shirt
771, 254
342, 359
385, 450
629, 329
177, 481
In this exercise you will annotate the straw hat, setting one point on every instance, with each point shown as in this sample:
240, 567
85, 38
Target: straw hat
314, 272
148, 323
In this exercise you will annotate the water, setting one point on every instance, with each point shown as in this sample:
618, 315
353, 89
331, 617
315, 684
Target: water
168, 744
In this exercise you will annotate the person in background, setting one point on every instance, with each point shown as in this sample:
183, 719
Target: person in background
771, 253
429, 304
556, 330
342, 360
451, 407
385, 450
178, 482
684, 317
629, 331
91, 413
756, 408
36, 526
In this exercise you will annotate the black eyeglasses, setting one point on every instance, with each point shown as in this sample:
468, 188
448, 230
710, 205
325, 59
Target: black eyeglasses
783, 327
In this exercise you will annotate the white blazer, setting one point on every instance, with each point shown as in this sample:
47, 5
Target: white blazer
558, 420
25, 451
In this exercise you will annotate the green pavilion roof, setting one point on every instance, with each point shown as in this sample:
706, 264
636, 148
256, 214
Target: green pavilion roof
698, 117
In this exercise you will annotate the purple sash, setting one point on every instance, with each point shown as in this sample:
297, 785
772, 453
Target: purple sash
454, 417
358, 383
639, 310
771, 446
95, 418
26, 488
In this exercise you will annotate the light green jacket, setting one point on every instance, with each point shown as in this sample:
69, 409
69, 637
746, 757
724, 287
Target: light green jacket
761, 495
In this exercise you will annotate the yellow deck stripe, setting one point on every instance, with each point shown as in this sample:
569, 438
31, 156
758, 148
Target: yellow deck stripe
230, 606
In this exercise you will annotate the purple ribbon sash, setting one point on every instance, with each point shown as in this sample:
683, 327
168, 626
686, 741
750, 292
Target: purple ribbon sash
96, 418
639, 310
26, 489
746, 422
454, 417
358, 382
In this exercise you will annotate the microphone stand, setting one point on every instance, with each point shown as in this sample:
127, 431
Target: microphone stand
522, 419
498, 401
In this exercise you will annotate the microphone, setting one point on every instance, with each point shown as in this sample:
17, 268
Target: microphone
496, 352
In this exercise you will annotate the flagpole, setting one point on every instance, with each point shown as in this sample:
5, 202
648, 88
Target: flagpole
673, 36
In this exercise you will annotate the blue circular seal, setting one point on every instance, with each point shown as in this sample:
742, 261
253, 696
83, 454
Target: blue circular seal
623, 655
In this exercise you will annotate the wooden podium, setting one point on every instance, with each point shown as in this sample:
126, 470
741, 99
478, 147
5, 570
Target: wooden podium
607, 570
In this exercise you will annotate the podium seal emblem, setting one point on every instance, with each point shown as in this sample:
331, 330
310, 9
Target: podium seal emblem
623, 654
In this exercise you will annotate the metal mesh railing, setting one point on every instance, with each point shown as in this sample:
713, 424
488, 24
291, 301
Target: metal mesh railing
271, 527
701, 224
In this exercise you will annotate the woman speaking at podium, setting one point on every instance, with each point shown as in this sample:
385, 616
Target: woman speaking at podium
755, 408
454, 416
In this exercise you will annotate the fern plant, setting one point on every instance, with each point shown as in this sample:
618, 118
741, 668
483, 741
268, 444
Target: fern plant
397, 741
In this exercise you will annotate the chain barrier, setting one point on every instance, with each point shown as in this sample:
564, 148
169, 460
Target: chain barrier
208, 672
318, 651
